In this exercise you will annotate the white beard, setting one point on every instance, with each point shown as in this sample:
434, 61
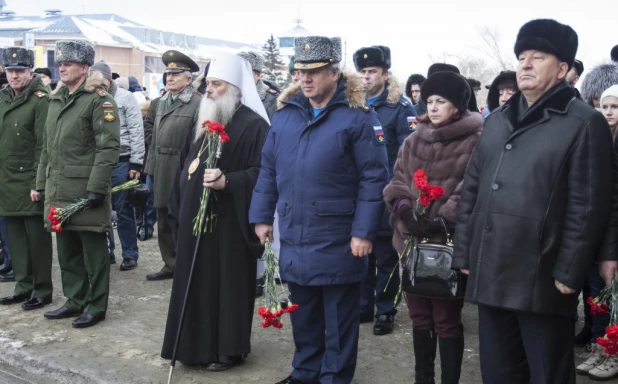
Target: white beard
221, 110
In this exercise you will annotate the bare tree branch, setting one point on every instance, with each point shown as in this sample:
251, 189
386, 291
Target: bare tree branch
491, 37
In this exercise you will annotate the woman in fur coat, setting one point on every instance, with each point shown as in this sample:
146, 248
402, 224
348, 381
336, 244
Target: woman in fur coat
441, 146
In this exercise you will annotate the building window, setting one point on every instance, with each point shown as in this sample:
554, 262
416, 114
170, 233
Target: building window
286, 42
153, 65
51, 64
146, 36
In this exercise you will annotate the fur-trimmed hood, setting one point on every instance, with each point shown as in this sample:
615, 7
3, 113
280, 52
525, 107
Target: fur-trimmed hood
93, 81
598, 80
395, 92
184, 96
354, 91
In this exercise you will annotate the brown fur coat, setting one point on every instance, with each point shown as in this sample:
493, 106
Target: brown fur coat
443, 153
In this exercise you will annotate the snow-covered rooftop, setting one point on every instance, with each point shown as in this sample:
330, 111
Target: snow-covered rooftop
113, 30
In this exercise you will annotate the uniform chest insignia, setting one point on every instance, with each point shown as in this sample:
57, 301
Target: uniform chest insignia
379, 134
108, 115
107, 104
39, 94
100, 92
412, 122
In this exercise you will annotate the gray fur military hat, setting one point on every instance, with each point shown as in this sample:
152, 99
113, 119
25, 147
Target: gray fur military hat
18, 58
316, 51
255, 59
75, 51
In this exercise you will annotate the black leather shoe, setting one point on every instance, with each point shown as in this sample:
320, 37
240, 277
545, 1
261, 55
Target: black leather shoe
128, 264
384, 325
5, 268
61, 313
7, 277
220, 367
366, 318
86, 320
112, 258
290, 380
14, 299
159, 276
36, 303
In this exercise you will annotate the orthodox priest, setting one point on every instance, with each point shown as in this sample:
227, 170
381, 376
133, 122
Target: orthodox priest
220, 309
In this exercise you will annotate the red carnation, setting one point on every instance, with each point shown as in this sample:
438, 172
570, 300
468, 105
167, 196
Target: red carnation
277, 324
419, 175
425, 200
611, 333
292, 308
436, 192
224, 137
267, 323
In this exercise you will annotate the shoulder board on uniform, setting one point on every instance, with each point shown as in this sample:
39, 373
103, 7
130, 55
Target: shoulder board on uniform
40, 94
404, 102
272, 91
101, 92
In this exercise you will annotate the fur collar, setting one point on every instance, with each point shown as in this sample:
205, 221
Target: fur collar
394, 90
354, 92
470, 122
556, 99
184, 96
93, 81
113, 88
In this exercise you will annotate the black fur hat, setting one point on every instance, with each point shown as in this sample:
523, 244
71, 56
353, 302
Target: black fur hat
442, 67
579, 67
44, 71
415, 78
506, 79
450, 85
549, 36
474, 84
614, 53
376, 56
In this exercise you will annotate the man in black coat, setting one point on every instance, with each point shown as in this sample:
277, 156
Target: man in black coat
534, 208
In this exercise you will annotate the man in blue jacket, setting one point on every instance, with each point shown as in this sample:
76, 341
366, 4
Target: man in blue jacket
324, 167
398, 120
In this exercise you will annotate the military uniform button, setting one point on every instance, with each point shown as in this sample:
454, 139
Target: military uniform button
495, 187
509, 147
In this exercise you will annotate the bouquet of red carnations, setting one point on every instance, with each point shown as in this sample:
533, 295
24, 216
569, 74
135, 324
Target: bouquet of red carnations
214, 138
273, 307
607, 304
57, 216
428, 193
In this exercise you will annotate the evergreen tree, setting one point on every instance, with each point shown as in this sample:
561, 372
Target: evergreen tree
274, 67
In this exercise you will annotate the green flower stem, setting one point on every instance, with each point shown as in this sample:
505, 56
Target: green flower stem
203, 222
407, 250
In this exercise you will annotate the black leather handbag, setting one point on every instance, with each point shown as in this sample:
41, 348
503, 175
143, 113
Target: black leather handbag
138, 196
427, 270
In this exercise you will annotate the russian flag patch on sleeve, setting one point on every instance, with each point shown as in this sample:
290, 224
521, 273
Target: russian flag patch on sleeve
379, 133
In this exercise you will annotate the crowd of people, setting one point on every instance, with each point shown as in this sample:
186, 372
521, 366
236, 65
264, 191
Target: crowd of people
328, 171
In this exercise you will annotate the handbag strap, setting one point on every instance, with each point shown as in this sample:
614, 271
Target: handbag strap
449, 240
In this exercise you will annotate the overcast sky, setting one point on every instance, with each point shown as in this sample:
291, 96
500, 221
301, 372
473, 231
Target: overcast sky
414, 30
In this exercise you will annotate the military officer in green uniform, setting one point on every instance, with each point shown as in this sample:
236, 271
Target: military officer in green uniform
23, 110
81, 149
177, 114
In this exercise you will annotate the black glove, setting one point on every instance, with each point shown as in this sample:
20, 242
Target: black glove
408, 218
95, 199
42, 193
430, 226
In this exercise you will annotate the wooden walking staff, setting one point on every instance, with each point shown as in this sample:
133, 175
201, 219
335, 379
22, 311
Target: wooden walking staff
188, 290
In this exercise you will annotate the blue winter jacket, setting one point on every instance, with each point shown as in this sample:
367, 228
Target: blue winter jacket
325, 177
398, 119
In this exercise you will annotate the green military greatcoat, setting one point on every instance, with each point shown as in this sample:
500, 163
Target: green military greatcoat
22, 121
82, 145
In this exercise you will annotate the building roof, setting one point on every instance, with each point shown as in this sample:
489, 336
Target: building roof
112, 30
297, 31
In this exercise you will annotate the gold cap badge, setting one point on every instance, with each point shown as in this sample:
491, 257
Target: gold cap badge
172, 65
307, 47
365, 56
58, 53
14, 55
171, 54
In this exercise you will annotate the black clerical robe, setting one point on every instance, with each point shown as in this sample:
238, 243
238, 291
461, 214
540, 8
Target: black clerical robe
220, 308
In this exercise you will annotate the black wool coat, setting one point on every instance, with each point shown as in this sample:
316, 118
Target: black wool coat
535, 203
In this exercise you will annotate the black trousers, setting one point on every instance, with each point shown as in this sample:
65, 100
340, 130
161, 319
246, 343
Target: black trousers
525, 348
